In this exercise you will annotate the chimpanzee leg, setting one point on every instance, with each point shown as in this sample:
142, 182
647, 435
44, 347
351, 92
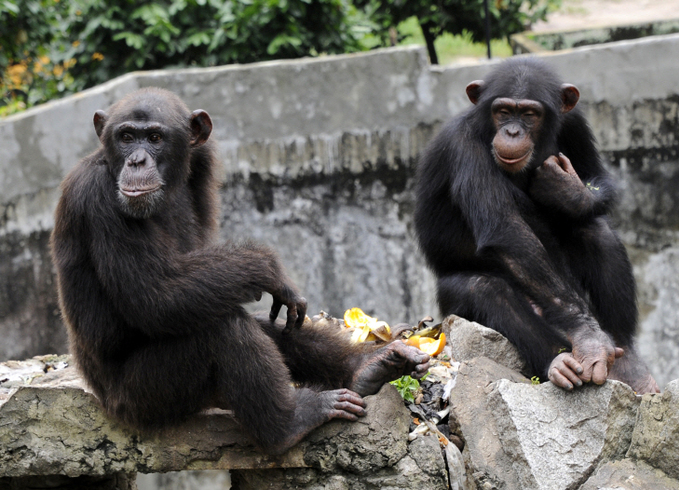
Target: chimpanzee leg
325, 357
161, 383
494, 303
599, 259
252, 379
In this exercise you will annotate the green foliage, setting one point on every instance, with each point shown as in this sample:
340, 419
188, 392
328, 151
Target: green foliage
407, 387
55, 47
29, 48
50, 48
450, 47
115, 37
456, 17
535, 380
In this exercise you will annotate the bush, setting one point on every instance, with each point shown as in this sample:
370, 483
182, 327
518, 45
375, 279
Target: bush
507, 17
31, 70
96, 40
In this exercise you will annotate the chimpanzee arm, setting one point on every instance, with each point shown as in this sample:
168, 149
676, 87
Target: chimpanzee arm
159, 292
574, 183
508, 244
147, 281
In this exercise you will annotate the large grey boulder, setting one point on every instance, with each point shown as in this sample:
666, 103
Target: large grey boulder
656, 435
469, 340
471, 418
628, 474
555, 438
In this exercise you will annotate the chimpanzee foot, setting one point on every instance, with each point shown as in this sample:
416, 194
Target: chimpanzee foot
313, 409
632, 370
386, 364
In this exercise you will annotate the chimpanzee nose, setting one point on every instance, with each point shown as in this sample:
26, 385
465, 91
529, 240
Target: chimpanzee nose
137, 158
512, 131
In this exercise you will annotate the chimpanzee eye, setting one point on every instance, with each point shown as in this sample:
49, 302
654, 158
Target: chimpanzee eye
155, 137
126, 137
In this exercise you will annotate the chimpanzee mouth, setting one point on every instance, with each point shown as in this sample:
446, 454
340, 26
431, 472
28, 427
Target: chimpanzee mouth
513, 161
139, 192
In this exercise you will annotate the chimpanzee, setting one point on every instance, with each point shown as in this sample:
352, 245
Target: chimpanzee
511, 215
154, 307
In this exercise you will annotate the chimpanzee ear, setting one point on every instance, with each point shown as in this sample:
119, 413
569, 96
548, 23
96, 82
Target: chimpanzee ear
100, 118
201, 127
569, 97
474, 90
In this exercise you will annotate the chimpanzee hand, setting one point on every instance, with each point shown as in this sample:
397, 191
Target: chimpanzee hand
295, 304
592, 357
557, 185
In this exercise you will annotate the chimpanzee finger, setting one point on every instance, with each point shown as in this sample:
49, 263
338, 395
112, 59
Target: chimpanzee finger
556, 377
566, 165
291, 317
599, 372
572, 363
301, 311
346, 404
275, 309
570, 369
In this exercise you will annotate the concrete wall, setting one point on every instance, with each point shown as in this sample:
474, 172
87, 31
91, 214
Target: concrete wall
318, 160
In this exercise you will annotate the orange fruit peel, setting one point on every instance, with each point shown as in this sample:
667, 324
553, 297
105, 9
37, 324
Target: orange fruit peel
433, 347
428, 345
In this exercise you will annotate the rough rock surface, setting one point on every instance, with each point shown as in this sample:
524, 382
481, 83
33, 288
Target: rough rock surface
555, 438
516, 435
469, 340
656, 434
472, 419
422, 468
628, 474
376, 441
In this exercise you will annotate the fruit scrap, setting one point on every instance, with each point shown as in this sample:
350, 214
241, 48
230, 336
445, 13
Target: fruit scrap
366, 327
431, 346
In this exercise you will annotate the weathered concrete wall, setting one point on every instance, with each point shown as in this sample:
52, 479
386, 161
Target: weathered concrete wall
318, 158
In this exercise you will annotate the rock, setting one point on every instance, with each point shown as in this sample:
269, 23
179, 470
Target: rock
472, 419
554, 438
469, 340
657, 430
629, 475
376, 441
422, 468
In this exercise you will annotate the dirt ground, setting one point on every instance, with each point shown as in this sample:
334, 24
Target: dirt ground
575, 14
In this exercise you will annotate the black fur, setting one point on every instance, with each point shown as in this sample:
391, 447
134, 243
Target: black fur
153, 306
534, 272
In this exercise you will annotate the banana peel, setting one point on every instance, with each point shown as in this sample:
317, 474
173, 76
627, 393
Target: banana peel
366, 328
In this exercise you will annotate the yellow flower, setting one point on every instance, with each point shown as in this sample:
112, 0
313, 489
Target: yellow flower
97, 56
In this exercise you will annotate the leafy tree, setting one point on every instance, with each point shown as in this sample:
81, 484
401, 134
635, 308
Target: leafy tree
54, 47
28, 72
456, 16
114, 37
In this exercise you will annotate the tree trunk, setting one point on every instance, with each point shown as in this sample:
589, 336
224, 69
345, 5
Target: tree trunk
427, 30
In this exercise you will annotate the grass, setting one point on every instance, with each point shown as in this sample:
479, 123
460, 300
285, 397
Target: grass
451, 48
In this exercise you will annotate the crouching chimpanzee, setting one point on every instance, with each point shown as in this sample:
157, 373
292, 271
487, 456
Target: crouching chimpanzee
153, 307
511, 212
